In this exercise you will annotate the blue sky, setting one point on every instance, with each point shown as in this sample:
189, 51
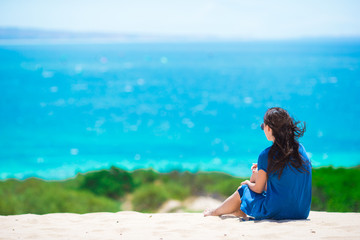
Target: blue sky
259, 19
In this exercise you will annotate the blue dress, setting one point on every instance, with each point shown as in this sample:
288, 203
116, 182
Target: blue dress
287, 198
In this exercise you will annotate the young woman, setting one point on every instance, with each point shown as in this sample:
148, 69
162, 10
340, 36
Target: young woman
280, 187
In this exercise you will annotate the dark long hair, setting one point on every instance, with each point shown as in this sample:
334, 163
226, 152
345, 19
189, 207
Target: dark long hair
285, 149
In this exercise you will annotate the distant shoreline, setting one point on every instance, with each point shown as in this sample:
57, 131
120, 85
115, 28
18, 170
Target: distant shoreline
154, 170
30, 36
100, 41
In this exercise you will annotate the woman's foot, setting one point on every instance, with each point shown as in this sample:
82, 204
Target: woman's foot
209, 212
239, 213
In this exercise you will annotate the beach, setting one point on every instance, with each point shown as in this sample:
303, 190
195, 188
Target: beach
135, 225
130, 120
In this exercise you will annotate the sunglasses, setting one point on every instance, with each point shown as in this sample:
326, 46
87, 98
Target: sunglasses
262, 126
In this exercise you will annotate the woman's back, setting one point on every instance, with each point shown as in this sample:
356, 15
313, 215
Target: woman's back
290, 196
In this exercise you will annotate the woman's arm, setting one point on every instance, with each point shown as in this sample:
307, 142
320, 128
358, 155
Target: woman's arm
259, 185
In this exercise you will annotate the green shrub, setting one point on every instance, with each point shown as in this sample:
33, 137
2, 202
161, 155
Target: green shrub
177, 191
143, 176
149, 197
203, 182
336, 189
40, 197
225, 188
113, 183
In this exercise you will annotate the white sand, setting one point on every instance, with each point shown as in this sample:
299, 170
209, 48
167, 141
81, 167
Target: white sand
134, 225
192, 204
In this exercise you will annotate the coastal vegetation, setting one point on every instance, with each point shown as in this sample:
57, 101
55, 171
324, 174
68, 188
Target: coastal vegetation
334, 189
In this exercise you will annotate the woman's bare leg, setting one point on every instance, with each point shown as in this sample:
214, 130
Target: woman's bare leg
230, 206
240, 213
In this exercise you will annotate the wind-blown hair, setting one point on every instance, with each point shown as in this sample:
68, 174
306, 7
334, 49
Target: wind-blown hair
285, 150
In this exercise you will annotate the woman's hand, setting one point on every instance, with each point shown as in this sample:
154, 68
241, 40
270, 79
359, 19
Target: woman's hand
246, 182
254, 167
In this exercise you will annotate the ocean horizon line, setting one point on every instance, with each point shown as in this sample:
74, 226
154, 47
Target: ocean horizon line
36, 36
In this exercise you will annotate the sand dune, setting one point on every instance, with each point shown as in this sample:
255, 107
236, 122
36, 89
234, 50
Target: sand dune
134, 225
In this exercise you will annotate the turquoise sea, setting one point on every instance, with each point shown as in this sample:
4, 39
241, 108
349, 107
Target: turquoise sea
69, 108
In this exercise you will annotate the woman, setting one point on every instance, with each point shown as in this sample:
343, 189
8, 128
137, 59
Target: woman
280, 187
